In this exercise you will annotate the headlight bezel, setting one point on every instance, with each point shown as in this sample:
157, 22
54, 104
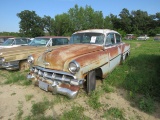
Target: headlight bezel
30, 59
74, 67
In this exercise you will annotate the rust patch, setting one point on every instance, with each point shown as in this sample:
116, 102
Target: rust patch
71, 87
92, 57
59, 56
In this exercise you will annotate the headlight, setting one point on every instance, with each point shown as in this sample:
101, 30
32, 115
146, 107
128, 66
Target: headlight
30, 59
74, 67
2, 60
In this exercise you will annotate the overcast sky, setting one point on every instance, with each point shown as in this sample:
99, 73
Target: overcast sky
9, 22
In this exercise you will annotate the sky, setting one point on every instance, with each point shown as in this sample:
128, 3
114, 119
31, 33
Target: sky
9, 22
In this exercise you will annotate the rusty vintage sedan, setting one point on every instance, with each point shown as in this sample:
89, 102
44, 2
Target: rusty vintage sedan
66, 69
16, 58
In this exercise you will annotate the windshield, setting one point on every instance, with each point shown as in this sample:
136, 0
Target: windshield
39, 42
8, 42
87, 38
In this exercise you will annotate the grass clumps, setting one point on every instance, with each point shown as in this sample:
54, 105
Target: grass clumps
76, 113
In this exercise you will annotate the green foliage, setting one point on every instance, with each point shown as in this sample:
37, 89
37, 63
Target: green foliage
114, 113
93, 100
16, 77
28, 97
40, 107
38, 110
107, 88
78, 18
20, 111
15, 34
76, 113
147, 104
39, 117
31, 25
140, 72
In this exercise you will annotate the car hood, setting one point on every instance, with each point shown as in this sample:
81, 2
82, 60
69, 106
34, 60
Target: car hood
56, 58
21, 52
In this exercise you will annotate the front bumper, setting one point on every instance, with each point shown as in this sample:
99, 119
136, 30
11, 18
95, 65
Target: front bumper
55, 81
13, 65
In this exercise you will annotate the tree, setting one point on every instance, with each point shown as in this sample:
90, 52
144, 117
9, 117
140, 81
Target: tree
62, 25
140, 22
85, 18
108, 23
31, 25
125, 20
48, 24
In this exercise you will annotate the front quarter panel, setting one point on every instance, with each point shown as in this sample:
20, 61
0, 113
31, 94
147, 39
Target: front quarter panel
89, 62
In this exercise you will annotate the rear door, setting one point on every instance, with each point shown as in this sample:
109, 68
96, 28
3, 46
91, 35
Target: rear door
113, 48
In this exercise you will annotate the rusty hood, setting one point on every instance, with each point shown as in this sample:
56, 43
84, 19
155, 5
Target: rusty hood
56, 58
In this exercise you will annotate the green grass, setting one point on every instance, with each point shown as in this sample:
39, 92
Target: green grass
140, 74
147, 104
114, 114
38, 110
29, 97
40, 107
18, 77
20, 111
76, 113
93, 100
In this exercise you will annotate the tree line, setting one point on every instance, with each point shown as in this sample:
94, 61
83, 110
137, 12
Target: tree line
80, 18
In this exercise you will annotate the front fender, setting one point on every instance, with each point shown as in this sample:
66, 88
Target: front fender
90, 61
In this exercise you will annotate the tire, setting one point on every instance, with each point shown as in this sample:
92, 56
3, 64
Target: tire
91, 81
23, 65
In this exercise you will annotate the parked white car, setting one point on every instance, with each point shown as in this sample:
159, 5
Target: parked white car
143, 37
15, 42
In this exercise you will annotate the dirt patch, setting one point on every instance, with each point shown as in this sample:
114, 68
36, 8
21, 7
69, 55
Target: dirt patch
11, 96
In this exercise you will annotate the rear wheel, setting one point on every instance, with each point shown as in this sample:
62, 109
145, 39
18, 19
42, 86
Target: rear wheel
91, 81
23, 65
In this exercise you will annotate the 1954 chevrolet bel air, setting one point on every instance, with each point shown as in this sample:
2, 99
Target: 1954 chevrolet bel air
66, 69
16, 58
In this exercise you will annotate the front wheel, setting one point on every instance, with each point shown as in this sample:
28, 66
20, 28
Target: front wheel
91, 81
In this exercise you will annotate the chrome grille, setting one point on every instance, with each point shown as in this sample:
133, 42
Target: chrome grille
53, 74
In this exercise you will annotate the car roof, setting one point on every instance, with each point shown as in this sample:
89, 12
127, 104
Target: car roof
97, 31
52, 37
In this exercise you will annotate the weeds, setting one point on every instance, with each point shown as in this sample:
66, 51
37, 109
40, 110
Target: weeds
17, 77
76, 113
147, 104
94, 100
28, 97
114, 113
38, 110
40, 107
20, 111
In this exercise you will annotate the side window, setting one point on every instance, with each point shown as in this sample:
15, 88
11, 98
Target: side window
19, 41
118, 38
65, 41
110, 39
59, 41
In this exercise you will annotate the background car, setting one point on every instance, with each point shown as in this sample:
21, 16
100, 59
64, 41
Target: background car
130, 37
15, 42
4, 38
157, 37
15, 58
143, 37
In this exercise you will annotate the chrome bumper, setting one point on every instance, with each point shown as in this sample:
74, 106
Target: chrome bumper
56, 81
14, 65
